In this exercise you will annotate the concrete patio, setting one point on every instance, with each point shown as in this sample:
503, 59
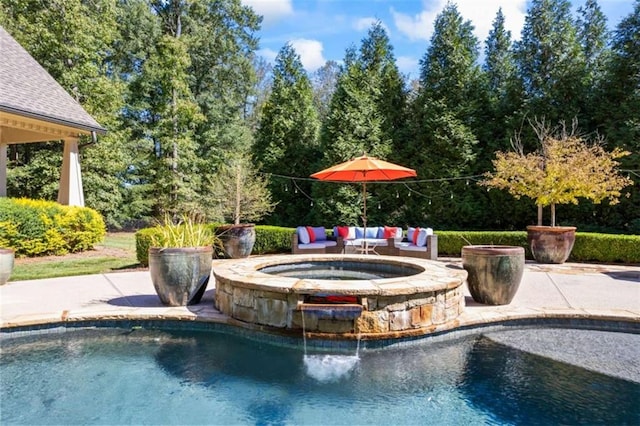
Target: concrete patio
581, 291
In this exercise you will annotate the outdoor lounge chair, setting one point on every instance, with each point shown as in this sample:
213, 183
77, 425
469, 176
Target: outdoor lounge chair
313, 240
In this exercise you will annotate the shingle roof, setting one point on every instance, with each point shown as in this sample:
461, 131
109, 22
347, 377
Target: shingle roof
27, 89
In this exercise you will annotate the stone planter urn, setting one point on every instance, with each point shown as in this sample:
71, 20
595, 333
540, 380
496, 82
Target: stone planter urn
237, 240
494, 272
6, 264
551, 244
180, 275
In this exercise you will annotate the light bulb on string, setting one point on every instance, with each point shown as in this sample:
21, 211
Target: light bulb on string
397, 194
467, 182
409, 194
286, 188
296, 190
451, 196
429, 201
311, 203
378, 206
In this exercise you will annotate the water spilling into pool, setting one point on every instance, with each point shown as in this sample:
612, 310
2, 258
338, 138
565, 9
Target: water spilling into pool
162, 377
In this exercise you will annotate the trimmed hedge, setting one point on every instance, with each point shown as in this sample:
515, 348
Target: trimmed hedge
589, 247
38, 227
450, 243
273, 239
269, 239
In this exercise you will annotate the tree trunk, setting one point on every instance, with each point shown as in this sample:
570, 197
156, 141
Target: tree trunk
174, 110
238, 195
553, 215
539, 214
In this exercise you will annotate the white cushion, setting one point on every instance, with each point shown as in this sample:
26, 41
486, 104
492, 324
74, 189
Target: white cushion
372, 232
303, 235
411, 247
427, 231
359, 241
327, 243
377, 241
354, 242
421, 241
352, 233
320, 245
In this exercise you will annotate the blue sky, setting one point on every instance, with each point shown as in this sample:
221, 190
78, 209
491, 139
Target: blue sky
322, 30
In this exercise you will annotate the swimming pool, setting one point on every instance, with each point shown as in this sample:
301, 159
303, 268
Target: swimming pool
137, 376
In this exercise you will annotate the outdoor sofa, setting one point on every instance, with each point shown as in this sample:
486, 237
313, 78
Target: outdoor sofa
382, 240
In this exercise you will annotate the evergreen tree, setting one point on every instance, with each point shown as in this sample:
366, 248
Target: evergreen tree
594, 40
77, 56
503, 100
189, 98
286, 141
550, 63
619, 116
444, 116
366, 115
501, 117
324, 81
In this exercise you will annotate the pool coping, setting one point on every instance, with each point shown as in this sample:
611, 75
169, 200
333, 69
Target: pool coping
567, 294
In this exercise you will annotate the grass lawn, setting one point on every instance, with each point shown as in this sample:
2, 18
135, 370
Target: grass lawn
116, 252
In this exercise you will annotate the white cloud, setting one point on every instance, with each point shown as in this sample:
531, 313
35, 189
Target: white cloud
310, 52
418, 27
481, 14
363, 24
271, 10
268, 54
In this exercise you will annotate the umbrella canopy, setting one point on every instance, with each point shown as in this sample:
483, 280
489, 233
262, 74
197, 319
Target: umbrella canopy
362, 170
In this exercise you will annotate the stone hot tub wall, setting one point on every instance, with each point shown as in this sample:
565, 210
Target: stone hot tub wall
394, 306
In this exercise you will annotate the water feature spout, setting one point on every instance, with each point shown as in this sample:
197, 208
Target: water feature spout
343, 312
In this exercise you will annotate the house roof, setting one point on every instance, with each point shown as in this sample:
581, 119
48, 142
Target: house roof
27, 89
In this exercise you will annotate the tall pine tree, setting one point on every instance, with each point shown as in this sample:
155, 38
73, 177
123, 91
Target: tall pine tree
444, 116
287, 138
366, 115
550, 63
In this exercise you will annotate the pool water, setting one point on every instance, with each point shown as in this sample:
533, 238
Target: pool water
169, 377
341, 270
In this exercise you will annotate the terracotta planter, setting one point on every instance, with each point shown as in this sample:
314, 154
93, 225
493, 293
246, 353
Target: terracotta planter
494, 272
6, 264
551, 244
237, 240
180, 275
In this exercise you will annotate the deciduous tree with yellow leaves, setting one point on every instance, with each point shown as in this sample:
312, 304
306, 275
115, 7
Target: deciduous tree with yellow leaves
566, 167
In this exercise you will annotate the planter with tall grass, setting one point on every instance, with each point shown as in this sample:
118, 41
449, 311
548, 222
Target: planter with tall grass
180, 261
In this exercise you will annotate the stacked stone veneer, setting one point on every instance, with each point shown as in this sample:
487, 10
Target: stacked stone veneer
390, 306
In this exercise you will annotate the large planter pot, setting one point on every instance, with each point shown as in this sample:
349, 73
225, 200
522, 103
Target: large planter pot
6, 264
551, 244
237, 240
180, 275
494, 272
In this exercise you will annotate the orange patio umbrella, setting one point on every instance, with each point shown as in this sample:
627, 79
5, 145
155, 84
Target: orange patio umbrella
362, 170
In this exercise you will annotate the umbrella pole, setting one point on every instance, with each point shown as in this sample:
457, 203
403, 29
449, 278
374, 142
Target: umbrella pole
364, 216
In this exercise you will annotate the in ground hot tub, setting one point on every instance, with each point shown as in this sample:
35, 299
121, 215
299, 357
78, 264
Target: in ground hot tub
350, 296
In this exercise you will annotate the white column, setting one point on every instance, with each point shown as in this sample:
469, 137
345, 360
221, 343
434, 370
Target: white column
3, 169
70, 192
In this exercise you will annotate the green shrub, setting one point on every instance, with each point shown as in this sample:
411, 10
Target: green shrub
38, 227
589, 247
272, 239
143, 242
146, 237
592, 247
450, 243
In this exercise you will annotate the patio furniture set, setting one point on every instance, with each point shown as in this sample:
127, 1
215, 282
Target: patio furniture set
380, 240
